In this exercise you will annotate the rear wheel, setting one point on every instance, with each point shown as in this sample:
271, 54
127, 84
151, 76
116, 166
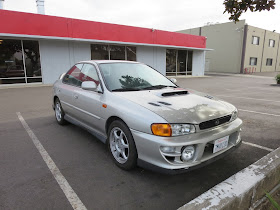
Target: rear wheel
122, 146
59, 113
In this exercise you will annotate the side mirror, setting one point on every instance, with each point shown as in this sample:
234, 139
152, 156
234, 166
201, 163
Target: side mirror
89, 85
173, 80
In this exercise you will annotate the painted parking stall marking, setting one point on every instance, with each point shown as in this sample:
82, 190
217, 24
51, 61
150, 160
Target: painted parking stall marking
244, 110
258, 146
257, 99
72, 197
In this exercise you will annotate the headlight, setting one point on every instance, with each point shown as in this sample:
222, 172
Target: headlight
172, 129
234, 115
182, 129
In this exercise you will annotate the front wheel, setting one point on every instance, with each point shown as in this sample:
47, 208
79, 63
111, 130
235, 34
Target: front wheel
122, 146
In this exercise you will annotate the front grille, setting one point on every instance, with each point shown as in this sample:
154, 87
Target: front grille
215, 122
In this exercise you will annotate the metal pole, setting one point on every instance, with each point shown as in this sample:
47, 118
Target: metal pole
23, 59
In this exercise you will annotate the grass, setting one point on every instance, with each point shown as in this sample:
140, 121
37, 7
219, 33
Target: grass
272, 201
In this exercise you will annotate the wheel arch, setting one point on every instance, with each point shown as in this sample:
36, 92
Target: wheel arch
110, 120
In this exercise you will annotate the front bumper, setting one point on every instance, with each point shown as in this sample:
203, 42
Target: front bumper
150, 156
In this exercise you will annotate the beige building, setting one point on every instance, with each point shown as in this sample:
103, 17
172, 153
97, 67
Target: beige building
239, 48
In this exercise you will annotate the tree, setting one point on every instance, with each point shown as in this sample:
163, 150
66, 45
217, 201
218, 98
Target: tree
236, 7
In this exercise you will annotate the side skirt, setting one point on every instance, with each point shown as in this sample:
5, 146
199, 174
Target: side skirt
86, 127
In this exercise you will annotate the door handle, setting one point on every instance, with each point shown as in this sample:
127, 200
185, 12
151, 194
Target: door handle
76, 96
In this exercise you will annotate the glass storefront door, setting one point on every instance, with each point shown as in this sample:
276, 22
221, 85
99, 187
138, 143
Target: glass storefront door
178, 62
19, 61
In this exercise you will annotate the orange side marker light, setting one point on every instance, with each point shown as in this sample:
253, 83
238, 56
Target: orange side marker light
104, 106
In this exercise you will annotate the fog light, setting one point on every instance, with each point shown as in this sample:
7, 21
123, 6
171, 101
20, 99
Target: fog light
167, 149
187, 153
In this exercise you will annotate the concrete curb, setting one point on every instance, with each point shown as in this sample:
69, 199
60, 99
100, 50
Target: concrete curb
239, 75
244, 189
23, 86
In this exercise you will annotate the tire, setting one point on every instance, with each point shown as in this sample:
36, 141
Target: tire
59, 113
121, 145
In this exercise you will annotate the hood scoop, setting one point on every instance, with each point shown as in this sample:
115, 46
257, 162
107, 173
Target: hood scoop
175, 93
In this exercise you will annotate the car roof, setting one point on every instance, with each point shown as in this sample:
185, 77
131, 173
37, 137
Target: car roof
107, 61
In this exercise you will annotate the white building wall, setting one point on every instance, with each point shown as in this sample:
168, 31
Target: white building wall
198, 63
152, 56
58, 56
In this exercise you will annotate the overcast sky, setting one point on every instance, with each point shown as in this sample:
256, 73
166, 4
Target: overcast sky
159, 14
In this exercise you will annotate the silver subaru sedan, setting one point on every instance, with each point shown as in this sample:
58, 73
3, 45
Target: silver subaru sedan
145, 118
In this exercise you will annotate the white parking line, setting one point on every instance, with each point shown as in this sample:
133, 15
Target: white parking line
64, 185
257, 99
244, 110
258, 146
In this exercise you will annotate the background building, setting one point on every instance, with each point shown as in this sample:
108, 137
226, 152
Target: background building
238, 47
38, 48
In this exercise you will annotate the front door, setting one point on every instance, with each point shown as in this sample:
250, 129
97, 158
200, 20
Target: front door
89, 103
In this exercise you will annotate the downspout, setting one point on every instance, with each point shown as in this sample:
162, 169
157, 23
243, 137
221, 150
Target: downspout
277, 53
263, 50
245, 32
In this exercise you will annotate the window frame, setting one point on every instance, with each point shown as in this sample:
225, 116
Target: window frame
273, 41
98, 74
113, 45
63, 79
250, 63
269, 59
258, 40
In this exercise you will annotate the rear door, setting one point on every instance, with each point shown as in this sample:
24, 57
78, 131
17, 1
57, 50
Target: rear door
70, 83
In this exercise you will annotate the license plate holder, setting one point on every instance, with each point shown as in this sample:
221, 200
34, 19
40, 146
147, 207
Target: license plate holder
220, 144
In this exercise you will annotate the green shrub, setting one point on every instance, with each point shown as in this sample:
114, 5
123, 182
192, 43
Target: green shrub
278, 79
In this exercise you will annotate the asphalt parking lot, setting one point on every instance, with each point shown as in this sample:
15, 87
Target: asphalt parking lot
27, 183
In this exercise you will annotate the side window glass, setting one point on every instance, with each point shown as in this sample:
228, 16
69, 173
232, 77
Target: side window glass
89, 73
73, 76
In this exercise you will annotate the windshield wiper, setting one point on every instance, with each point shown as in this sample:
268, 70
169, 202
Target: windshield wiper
125, 89
156, 87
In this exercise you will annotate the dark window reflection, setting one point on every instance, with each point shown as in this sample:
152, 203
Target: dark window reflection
11, 63
171, 62
178, 62
11, 81
99, 52
32, 58
73, 76
131, 53
112, 52
189, 64
117, 52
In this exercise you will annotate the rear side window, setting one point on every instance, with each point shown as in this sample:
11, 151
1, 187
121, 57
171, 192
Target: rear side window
73, 76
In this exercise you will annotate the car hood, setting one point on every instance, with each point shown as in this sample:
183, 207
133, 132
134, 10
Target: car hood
178, 105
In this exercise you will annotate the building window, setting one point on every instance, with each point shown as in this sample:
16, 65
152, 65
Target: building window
271, 43
19, 61
171, 62
269, 62
117, 52
113, 52
253, 61
178, 62
255, 40
130, 53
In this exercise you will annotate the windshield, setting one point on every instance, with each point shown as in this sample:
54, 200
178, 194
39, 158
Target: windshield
133, 77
